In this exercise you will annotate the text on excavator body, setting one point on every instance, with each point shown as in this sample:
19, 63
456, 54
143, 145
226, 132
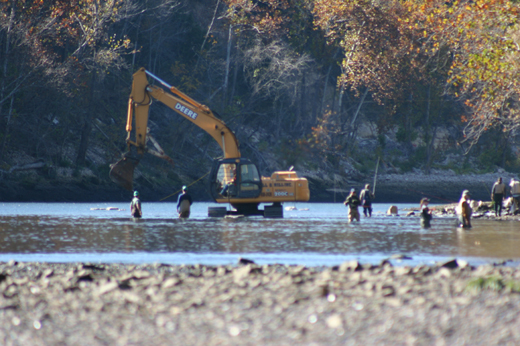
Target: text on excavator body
186, 111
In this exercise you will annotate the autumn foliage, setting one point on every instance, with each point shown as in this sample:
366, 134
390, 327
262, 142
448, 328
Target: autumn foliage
469, 46
300, 71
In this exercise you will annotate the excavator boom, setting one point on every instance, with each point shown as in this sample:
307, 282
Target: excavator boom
141, 97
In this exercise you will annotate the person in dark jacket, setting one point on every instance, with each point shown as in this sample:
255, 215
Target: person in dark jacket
498, 192
426, 213
366, 198
184, 203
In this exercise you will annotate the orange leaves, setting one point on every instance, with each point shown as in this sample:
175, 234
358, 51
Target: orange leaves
266, 17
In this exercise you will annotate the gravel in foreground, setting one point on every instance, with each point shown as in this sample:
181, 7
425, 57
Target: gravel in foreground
248, 304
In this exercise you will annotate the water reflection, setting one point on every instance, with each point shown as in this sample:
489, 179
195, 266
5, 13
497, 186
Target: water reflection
321, 235
381, 236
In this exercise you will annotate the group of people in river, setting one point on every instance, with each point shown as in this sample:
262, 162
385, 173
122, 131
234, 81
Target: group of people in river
184, 202
353, 202
499, 192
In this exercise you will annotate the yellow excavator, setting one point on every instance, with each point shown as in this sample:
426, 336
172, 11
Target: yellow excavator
232, 179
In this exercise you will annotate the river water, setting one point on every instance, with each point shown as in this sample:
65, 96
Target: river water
312, 234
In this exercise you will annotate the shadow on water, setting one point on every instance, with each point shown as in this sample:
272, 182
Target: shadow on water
315, 234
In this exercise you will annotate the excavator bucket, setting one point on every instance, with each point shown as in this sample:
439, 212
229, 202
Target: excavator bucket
122, 172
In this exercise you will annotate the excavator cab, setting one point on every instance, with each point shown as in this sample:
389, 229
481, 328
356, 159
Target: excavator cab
234, 178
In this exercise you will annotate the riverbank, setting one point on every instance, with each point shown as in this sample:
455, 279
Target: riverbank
247, 304
441, 186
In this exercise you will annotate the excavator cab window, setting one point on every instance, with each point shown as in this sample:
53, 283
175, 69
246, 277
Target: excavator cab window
249, 180
235, 179
227, 178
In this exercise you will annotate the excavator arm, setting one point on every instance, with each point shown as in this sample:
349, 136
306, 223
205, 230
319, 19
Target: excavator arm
141, 97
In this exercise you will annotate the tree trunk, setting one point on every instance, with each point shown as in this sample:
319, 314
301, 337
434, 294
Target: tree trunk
352, 128
504, 152
209, 28
430, 149
322, 106
137, 31
228, 59
408, 126
4, 76
6, 131
301, 109
87, 124
427, 135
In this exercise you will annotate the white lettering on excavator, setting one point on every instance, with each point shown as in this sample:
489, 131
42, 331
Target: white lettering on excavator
186, 111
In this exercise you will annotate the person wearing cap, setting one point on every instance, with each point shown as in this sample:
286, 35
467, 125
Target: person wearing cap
135, 206
464, 210
497, 195
426, 213
366, 198
184, 203
353, 203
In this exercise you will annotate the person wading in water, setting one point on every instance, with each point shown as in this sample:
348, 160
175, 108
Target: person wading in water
514, 189
184, 203
464, 210
366, 198
135, 206
353, 203
426, 213
497, 195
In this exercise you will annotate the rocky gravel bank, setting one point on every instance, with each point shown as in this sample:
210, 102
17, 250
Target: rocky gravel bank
248, 304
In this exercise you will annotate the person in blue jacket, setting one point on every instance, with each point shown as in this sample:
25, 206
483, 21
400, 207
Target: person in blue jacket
184, 203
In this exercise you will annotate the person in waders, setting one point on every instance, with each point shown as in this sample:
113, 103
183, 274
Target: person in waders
135, 206
353, 203
497, 195
426, 213
514, 187
464, 210
184, 203
366, 198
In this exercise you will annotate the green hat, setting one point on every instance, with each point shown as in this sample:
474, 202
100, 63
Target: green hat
136, 193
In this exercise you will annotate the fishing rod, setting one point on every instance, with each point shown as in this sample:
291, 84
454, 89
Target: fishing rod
176, 192
375, 177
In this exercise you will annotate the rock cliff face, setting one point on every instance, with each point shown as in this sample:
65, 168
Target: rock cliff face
33, 179
441, 186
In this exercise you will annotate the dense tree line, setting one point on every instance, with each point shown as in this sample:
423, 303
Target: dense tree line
295, 79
